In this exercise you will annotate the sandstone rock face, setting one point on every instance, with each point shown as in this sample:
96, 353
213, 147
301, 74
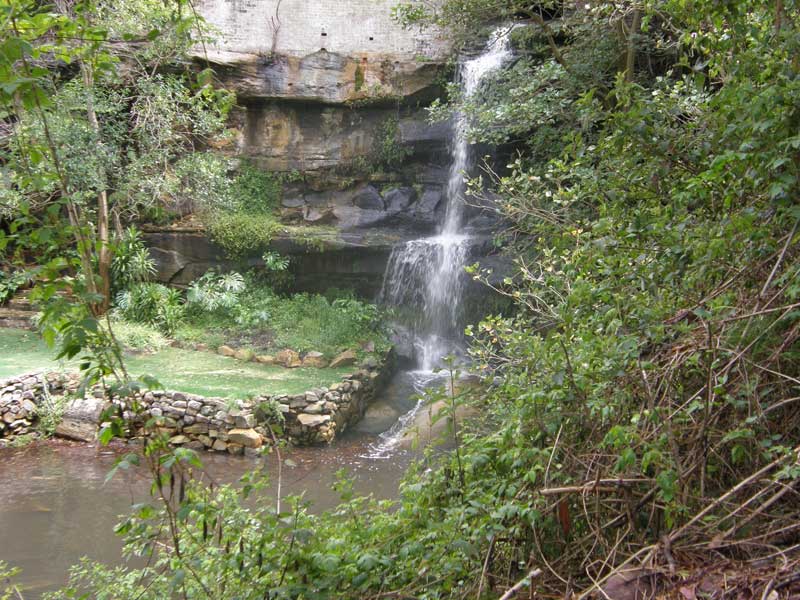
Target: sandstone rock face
327, 51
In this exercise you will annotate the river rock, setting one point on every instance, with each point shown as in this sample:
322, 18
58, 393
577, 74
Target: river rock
346, 358
80, 419
245, 437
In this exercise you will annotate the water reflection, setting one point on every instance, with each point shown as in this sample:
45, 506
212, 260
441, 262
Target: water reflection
55, 506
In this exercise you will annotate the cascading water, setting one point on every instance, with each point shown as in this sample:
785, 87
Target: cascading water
425, 277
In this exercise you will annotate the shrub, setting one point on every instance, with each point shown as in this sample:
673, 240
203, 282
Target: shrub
241, 233
138, 336
132, 262
152, 304
256, 191
215, 291
9, 284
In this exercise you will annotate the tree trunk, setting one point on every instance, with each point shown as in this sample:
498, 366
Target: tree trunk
630, 57
104, 249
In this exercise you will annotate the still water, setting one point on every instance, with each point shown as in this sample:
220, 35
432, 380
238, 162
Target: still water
55, 506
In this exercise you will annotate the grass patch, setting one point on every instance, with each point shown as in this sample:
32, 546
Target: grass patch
185, 370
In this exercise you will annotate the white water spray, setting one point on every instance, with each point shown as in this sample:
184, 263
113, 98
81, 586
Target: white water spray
425, 277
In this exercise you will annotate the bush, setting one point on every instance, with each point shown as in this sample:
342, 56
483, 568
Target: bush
245, 221
132, 262
214, 291
256, 191
138, 336
151, 304
240, 233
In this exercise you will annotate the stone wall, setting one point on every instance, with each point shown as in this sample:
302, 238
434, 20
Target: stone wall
233, 426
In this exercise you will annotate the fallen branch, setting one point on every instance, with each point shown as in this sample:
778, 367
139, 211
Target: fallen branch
520, 584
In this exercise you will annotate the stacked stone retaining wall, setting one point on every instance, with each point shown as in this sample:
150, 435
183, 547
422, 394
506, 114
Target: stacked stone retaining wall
235, 426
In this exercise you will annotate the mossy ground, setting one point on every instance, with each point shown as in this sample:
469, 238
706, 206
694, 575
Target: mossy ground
202, 373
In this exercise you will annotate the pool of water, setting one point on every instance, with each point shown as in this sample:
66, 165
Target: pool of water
56, 507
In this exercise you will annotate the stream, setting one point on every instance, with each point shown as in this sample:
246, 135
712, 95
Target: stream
55, 506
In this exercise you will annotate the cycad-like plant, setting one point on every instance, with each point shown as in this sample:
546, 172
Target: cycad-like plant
132, 262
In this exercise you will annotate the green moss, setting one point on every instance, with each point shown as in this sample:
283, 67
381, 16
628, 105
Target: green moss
359, 78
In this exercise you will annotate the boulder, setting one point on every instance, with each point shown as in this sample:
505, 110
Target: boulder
346, 358
80, 419
429, 202
368, 198
245, 437
288, 358
398, 199
315, 360
219, 446
265, 359
226, 351
318, 215
292, 202
244, 355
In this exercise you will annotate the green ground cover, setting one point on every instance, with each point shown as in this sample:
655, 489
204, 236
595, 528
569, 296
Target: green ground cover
185, 370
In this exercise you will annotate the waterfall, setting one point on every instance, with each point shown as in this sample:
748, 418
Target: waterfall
424, 278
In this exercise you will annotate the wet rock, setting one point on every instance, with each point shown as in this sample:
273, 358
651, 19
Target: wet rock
319, 215
429, 202
368, 198
292, 202
346, 358
235, 449
398, 199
